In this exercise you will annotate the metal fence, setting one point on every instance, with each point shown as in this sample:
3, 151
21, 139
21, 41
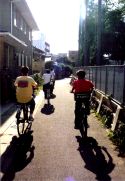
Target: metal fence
109, 79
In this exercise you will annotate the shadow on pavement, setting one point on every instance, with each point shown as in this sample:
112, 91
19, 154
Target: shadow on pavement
17, 156
96, 158
47, 109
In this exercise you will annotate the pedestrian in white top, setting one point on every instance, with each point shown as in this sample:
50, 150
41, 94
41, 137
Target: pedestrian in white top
46, 77
46, 82
52, 74
52, 81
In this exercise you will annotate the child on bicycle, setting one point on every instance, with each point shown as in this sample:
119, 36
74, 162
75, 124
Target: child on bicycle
24, 89
81, 85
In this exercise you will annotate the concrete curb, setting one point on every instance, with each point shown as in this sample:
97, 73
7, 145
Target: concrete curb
11, 119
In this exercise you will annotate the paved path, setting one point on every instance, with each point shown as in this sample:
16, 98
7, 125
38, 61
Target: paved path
55, 152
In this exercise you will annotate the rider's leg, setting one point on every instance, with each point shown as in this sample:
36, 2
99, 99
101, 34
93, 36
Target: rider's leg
32, 107
45, 91
51, 89
78, 105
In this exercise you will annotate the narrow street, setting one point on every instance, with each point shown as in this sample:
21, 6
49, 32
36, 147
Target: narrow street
55, 152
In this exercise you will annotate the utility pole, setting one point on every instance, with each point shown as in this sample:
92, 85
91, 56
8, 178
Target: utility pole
99, 33
86, 48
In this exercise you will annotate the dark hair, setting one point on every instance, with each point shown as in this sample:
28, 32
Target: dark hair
24, 70
47, 71
81, 74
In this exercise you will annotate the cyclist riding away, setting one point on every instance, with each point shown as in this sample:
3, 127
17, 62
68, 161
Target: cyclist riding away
24, 90
81, 86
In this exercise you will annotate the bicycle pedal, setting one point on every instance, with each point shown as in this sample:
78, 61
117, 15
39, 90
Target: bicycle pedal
22, 120
18, 115
30, 118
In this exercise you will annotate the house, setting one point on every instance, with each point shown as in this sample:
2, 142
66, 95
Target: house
38, 60
41, 51
73, 56
38, 63
16, 26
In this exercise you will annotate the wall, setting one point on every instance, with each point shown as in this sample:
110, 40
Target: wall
1, 52
5, 15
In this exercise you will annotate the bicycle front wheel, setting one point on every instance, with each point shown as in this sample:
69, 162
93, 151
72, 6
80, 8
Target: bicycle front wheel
20, 127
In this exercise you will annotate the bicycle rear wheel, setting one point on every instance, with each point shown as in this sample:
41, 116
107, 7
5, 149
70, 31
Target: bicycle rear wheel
84, 127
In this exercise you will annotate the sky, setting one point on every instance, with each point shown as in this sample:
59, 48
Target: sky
59, 21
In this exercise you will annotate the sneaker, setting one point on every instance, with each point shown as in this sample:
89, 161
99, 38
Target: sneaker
76, 127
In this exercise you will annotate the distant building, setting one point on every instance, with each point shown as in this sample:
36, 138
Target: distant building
16, 26
38, 52
38, 64
39, 40
47, 48
62, 54
73, 56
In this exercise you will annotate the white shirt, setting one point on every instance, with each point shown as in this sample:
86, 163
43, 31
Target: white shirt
46, 77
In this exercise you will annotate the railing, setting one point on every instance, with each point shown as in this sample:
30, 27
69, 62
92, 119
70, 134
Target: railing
108, 79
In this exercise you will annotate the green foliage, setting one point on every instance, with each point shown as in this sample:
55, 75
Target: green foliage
38, 79
112, 27
118, 137
36, 91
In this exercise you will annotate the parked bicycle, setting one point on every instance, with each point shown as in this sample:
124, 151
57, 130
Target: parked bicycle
24, 122
82, 113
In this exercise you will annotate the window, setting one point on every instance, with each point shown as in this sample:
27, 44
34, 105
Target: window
21, 24
15, 18
22, 59
24, 27
30, 35
19, 59
26, 63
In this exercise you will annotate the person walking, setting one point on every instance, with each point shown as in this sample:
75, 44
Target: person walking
46, 82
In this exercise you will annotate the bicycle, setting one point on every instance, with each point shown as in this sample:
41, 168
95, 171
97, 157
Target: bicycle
24, 122
82, 113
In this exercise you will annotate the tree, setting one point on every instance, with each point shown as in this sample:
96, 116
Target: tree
105, 36
114, 35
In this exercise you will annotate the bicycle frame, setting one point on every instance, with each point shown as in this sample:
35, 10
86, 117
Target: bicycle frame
83, 121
